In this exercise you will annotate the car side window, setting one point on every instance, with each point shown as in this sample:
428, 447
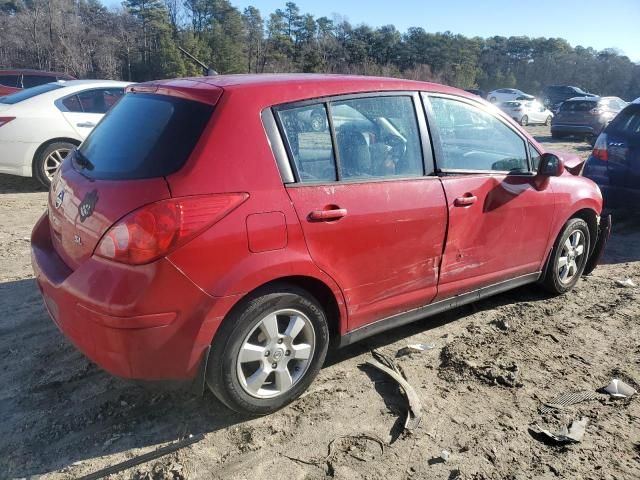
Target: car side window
9, 80
100, 100
72, 104
307, 134
29, 81
535, 158
474, 140
377, 137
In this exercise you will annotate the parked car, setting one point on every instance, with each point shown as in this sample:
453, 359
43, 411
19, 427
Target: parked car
527, 112
179, 246
554, 95
585, 116
614, 163
475, 91
39, 126
506, 94
15, 80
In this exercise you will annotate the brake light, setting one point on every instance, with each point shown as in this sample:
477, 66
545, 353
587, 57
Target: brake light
600, 150
157, 229
5, 120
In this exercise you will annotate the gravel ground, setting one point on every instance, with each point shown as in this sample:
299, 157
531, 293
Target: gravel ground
493, 366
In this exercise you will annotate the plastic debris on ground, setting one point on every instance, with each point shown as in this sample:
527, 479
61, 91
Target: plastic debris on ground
619, 389
415, 348
628, 283
573, 434
566, 399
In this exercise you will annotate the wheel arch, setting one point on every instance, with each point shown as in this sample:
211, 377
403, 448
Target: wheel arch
323, 293
44, 145
591, 217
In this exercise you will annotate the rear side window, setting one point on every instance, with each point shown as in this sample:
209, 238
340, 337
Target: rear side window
627, 122
9, 80
144, 136
29, 81
375, 137
29, 93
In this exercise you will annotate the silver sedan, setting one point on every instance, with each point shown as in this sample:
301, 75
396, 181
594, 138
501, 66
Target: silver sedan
527, 112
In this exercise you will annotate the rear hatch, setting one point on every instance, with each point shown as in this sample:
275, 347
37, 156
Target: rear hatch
575, 112
623, 146
122, 165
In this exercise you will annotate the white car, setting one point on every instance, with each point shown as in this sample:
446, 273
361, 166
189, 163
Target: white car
39, 126
527, 112
505, 94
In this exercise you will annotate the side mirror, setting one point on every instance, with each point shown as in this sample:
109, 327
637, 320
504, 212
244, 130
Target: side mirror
550, 165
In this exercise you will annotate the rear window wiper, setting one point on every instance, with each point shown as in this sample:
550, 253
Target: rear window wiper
81, 161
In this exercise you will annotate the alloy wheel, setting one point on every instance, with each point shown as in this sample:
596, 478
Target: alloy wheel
570, 256
53, 161
276, 354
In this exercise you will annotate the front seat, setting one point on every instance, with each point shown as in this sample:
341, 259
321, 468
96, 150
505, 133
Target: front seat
355, 158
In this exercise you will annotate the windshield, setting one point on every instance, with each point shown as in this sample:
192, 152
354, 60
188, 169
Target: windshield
29, 93
154, 135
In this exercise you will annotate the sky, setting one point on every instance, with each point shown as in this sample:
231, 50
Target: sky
590, 23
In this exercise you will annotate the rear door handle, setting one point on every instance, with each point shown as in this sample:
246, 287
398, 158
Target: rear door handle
86, 125
465, 201
324, 215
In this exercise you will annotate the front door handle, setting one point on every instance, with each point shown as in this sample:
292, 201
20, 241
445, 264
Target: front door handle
465, 201
86, 125
325, 215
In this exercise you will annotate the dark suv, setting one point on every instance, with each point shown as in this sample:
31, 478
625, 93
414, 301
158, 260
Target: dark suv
585, 116
13, 80
554, 95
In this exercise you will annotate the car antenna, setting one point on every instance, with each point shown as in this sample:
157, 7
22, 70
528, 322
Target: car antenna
207, 70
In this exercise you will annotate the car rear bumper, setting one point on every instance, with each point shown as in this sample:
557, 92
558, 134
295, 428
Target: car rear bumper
604, 232
145, 322
568, 129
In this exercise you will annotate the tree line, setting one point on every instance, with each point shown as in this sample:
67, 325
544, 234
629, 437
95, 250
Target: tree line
140, 41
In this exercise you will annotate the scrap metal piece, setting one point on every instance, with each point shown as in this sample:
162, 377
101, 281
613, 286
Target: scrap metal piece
628, 283
619, 389
566, 399
574, 434
414, 415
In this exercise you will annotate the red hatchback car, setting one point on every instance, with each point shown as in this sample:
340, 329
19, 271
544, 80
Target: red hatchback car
226, 228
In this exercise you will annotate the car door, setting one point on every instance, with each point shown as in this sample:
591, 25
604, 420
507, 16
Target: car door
371, 217
498, 212
83, 110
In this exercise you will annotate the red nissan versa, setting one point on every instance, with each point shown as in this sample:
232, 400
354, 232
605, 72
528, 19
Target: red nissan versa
225, 228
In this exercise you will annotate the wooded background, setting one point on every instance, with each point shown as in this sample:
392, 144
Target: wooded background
139, 42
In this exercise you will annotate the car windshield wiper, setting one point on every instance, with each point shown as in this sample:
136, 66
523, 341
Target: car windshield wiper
82, 161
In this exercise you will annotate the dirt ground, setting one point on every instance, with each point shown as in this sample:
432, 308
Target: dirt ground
482, 386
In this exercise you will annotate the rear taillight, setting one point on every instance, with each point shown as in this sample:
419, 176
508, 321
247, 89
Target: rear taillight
5, 120
600, 148
155, 230
595, 111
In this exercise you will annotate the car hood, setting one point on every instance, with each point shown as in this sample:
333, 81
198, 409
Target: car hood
573, 163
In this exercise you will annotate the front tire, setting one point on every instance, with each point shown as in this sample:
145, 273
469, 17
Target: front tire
48, 161
268, 350
568, 257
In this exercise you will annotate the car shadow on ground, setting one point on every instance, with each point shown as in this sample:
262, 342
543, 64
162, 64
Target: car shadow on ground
60, 408
15, 184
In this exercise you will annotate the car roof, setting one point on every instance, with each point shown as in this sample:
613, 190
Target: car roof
31, 71
282, 88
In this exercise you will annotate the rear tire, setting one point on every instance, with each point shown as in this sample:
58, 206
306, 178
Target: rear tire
492, 99
524, 121
268, 350
547, 122
568, 257
48, 161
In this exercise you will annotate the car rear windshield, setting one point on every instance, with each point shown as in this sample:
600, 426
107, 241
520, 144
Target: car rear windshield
29, 93
143, 136
578, 106
627, 121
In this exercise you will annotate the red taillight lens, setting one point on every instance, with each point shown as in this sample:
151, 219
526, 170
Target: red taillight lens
600, 150
155, 230
5, 120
